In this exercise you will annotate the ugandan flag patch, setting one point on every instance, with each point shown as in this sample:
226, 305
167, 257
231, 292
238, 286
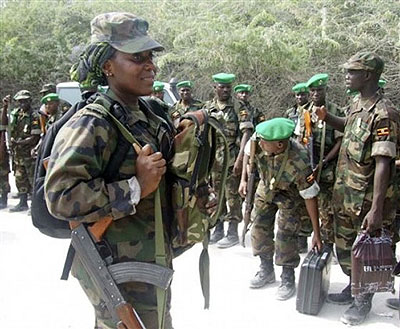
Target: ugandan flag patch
383, 131
310, 179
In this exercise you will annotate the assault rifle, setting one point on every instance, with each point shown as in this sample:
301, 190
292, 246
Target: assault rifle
106, 277
249, 200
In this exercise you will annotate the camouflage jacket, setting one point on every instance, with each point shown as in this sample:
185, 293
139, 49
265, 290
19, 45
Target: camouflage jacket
296, 182
179, 109
372, 129
331, 135
226, 114
249, 116
23, 125
75, 187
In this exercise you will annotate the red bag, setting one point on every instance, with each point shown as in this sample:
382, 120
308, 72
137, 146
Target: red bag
372, 263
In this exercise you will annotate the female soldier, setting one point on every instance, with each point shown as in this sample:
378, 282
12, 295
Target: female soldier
121, 56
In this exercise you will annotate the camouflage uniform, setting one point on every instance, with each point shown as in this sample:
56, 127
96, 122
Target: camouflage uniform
81, 193
178, 109
295, 184
249, 116
371, 130
23, 124
327, 177
226, 115
4, 166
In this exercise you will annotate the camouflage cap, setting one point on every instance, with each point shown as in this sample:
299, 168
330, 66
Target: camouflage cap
365, 60
22, 94
123, 31
48, 88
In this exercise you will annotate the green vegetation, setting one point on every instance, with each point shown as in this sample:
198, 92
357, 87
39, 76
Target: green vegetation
269, 44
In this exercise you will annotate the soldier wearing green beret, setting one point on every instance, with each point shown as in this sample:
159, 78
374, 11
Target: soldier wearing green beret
50, 88
51, 112
24, 135
158, 95
186, 104
223, 108
323, 143
364, 194
286, 184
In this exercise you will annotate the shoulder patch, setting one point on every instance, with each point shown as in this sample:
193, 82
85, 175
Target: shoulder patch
310, 179
175, 115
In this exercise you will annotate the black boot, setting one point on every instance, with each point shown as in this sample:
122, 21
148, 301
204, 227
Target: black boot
218, 233
265, 275
287, 287
358, 310
302, 245
3, 200
341, 298
23, 203
232, 237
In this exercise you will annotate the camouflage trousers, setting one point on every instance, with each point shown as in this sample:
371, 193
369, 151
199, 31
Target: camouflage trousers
262, 232
233, 208
326, 212
24, 169
348, 225
4, 171
141, 296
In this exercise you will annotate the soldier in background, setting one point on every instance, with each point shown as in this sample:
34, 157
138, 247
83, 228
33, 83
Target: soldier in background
325, 149
158, 95
187, 103
4, 159
301, 93
51, 112
287, 184
223, 108
24, 135
50, 88
364, 195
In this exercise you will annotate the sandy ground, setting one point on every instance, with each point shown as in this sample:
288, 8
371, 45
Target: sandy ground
33, 297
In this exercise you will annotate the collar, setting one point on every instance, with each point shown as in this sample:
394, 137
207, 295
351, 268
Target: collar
369, 103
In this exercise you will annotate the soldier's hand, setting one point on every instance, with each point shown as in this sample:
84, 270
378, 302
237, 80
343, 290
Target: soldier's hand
372, 221
243, 188
150, 167
6, 100
321, 112
316, 242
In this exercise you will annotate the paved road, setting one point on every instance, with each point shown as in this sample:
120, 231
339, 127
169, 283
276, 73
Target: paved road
33, 297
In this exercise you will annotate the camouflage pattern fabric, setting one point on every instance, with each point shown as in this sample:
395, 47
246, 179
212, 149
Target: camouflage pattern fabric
23, 125
4, 166
225, 113
327, 178
286, 198
179, 109
81, 193
249, 116
372, 129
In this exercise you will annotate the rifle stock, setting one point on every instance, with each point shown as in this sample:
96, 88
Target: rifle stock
249, 200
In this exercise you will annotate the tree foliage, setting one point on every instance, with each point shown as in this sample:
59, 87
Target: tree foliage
269, 44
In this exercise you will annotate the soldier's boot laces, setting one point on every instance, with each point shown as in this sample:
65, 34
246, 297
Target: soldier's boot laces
287, 287
393, 303
302, 245
265, 275
231, 238
218, 233
3, 200
358, 310
23, 203
341, 298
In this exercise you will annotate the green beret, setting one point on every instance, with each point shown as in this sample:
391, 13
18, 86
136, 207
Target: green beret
50, 97
275, 129
158, 86
185, 83
300, 88
224, 78
320, 79
243, 87
22, 94
382, 83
